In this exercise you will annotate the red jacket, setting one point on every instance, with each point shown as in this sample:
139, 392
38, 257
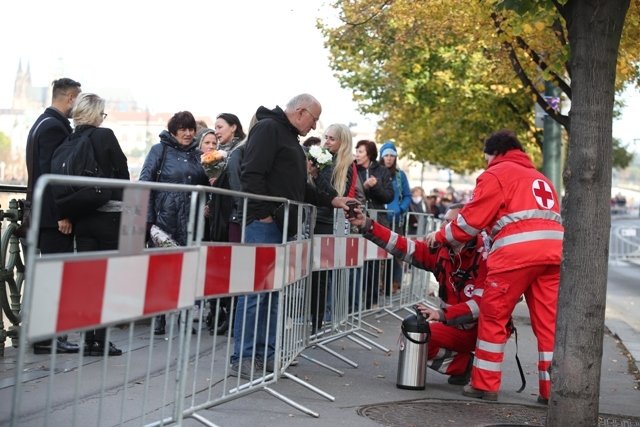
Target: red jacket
460, 276
518, 208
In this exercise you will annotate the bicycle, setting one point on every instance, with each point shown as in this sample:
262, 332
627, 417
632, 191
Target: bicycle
12, 271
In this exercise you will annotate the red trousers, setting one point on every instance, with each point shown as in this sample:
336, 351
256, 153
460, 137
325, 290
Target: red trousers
450, 348
539, 284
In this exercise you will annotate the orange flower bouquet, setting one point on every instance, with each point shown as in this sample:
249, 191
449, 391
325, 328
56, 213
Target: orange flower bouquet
214, 162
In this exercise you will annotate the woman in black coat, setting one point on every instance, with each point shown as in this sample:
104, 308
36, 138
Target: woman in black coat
175, 159
99, 230
378, 191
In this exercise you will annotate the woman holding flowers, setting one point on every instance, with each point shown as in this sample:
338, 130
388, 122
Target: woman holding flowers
333, 172
226, 211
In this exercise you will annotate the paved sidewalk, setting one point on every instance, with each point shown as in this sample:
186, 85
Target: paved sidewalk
364, 396
370, 390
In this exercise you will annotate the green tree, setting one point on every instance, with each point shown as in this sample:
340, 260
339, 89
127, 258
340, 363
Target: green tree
622, 157
409, 61
5, 146
442, 81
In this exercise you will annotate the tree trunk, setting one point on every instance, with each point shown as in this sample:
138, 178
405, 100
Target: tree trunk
594, 28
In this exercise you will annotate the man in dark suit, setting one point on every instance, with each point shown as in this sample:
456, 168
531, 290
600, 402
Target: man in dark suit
46, 134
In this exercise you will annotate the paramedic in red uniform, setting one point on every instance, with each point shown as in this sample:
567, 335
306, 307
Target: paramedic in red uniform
461, 275
519, 209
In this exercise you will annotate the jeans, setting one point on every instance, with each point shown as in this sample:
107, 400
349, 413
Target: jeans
257, 307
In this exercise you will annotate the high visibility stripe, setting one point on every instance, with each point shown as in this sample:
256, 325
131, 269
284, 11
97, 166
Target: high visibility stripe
490, 347
449, 236
524, 215
442, 361
393, 241
528, 236
473, 306
478, 292
411, 249
462, 223
486, 365
544, 376
545, 356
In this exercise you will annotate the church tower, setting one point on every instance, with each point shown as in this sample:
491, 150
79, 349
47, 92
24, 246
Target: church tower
21, 88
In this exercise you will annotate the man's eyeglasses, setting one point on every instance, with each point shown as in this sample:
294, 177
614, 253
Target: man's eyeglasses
104, 115
315, 119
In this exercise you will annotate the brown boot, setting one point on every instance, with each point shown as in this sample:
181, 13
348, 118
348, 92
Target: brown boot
470, 391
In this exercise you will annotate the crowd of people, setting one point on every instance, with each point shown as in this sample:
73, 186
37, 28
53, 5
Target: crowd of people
484, 256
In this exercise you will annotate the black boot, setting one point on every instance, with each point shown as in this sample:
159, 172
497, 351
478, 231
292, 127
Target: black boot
161, 322
222, 325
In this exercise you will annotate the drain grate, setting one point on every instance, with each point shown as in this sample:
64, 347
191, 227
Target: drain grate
441, 413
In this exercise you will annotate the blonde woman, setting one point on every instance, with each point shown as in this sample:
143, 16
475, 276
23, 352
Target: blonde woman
339, 178
98, 230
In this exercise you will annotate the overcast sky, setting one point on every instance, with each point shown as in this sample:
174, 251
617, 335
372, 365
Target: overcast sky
205, 56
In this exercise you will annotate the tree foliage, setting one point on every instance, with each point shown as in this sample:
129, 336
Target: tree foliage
441, 81
622, 158
5, 146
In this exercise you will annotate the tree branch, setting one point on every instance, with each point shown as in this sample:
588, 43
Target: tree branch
522, 75
370, 18
535, 57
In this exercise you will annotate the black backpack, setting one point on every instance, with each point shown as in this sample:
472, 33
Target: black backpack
76, 157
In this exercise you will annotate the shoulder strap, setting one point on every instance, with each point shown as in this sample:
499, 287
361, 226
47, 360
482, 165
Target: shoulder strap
164, 154
31, 152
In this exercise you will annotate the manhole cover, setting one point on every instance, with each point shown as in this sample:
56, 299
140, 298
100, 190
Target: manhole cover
437, 413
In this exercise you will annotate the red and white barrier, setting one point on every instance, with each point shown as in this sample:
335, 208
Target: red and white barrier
235, 268
374, 252
77, 294
331, 252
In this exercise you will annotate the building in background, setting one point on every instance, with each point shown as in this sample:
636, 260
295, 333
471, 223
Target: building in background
136, 128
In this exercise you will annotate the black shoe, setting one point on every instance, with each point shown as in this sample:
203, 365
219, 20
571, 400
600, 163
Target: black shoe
542, 400
63, 346
96, 348
222, 328
464, 378
161, 322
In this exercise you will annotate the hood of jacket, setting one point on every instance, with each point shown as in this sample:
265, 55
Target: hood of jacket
514, 156
276, 114
386, 146
168, 139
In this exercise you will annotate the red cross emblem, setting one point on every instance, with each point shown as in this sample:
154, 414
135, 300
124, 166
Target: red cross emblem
543, 194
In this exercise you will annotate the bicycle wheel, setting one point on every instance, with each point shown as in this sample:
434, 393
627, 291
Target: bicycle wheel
11, 264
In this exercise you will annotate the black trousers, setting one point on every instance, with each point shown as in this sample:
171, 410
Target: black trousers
97, 232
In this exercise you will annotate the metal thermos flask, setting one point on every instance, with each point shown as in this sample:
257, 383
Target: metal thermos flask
413, 352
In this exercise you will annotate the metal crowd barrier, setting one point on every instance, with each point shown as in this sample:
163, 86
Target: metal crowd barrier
161, 380
624, 241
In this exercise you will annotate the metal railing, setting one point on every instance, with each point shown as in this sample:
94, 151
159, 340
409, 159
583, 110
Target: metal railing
12, 265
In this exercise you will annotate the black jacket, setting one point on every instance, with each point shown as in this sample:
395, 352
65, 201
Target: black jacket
274, 164
46, 134
108, 153
169, 210
381, 193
